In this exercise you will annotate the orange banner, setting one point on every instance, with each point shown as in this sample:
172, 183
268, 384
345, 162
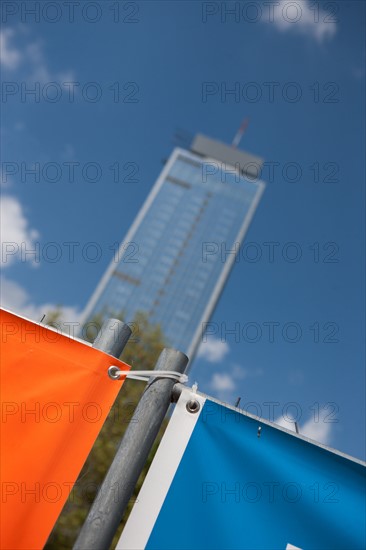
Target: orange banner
55, 397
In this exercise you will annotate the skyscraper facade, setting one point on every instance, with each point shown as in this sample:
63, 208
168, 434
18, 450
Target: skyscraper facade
176, 257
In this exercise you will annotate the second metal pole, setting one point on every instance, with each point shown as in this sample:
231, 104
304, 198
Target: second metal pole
112, 499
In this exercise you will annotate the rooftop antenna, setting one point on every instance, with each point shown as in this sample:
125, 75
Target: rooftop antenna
240, 132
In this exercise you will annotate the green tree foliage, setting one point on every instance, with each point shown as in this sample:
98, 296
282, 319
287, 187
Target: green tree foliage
141, 352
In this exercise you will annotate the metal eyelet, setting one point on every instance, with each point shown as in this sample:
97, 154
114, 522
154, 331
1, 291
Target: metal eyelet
112, 373
193, 406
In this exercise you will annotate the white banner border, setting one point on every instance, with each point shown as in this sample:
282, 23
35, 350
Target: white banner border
153, 492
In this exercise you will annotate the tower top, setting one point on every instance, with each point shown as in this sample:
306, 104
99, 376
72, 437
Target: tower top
249, 165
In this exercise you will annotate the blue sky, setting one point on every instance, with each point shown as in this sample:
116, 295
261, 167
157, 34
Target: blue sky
109, 96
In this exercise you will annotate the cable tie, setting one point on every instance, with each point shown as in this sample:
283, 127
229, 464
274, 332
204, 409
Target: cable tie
115, 373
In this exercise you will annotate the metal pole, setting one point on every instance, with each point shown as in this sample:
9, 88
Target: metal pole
112, 337
112, 499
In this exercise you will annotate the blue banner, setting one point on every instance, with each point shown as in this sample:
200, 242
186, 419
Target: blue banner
242, 483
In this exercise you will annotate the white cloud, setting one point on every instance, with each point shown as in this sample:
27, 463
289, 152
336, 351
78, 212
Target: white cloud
32, 58
213, 350
319, 431
304, 17
222, 382
40, 72
240, 372
15, 231
10, 57
225, 382
17, 237
15, 298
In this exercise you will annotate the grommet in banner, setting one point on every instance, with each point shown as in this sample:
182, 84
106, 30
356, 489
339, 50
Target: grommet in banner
113, 373
259, 431
193, 406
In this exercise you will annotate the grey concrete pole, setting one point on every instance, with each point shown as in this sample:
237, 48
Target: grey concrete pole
112, 499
